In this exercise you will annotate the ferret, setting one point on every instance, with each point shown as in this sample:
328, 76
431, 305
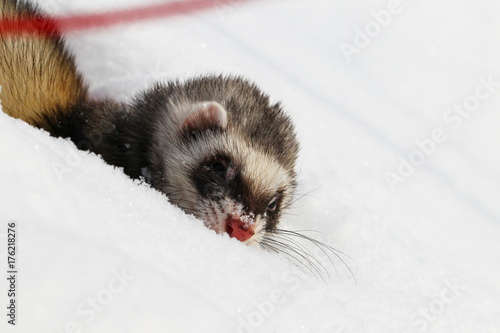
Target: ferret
216, 146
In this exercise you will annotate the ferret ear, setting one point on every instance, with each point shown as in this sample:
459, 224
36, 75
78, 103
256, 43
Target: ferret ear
204, 116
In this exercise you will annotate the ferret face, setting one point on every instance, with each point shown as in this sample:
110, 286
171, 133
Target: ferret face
220, 176
240, 193
233, 187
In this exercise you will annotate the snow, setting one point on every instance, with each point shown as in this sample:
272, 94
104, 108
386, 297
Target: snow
99, 252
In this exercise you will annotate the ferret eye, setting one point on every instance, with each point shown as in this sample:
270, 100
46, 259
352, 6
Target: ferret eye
273, 205
219, 169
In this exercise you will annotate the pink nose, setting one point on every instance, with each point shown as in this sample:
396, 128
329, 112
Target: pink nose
239, 230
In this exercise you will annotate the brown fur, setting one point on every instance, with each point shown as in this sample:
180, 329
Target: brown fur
37, 75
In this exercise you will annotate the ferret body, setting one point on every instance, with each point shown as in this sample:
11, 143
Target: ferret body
215, 145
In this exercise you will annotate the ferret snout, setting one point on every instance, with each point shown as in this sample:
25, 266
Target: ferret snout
240, 229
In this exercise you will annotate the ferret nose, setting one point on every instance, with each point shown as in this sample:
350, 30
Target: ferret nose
238, 229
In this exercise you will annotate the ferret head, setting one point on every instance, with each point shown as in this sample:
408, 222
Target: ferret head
228, 162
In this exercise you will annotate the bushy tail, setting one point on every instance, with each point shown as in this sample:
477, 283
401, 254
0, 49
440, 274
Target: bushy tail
38, 77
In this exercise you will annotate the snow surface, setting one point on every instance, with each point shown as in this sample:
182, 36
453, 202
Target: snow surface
426, 255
